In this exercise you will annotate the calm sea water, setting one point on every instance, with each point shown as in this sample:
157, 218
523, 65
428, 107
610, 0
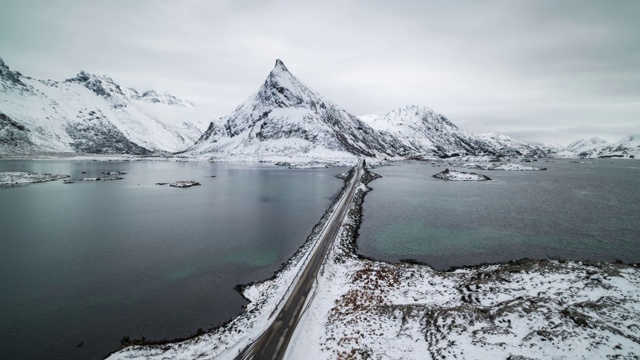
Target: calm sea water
91, 262
588, 210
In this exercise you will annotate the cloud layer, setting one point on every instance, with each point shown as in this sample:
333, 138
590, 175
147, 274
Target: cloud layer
543, 71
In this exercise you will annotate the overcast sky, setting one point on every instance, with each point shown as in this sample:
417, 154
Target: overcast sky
541, 71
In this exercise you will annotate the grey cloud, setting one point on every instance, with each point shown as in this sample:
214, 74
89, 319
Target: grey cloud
532, 68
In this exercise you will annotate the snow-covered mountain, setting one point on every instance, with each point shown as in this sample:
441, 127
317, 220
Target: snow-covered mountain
586, 147
627, 147
93, 114
585, 144
89, 114
506, 145
428, 133
285, 118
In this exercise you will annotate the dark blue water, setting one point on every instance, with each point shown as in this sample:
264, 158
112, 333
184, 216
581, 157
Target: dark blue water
91, 262
587, 210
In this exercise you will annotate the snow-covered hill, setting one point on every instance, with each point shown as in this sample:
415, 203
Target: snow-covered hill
627, 147
89, 114
286, 118
585, 144
428, 133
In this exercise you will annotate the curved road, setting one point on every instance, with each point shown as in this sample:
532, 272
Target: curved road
272, 344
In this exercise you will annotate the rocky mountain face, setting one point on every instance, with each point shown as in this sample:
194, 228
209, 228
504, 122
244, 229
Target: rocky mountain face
285, 117
627, 147
88, 114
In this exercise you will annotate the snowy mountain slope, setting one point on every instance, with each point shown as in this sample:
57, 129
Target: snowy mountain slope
582, 146
585, 144
507, 145
285, 117
428, 133
627, 147
369, 118
88, 114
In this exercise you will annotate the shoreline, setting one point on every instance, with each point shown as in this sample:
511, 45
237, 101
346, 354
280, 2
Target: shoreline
344, 251
296, 261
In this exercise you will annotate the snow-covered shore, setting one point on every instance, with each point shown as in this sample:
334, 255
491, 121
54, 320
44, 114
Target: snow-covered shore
298, 162
534, 309
524, 309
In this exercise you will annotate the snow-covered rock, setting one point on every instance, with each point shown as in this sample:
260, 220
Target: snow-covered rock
184, 184
88, 113
460, 176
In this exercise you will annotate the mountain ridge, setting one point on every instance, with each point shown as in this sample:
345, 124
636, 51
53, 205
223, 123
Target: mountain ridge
285, 117
93, 114
89, 114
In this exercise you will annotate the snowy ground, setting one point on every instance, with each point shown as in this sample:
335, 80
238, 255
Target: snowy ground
17, 178
526, 309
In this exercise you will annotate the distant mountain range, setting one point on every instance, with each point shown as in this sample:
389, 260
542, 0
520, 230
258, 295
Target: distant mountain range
88, 114
627, 147
92, 114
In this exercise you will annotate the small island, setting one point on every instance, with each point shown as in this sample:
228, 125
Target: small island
460, 176
17, 178
184, 184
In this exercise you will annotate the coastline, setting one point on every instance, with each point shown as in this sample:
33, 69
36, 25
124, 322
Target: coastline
484, 311
264, 296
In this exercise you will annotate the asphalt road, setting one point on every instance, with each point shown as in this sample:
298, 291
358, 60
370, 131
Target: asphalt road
272, 344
